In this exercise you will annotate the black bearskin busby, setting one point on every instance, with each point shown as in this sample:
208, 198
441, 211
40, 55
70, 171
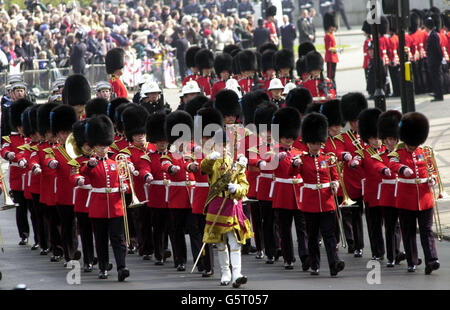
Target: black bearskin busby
300, 65
388, 124
271, 11
227, 102
284, 59
118, 115
247, 61
15, 111
264, 114
62, 118
446, 19
366, 28
178, 118
189, 57
76, 90
299, 98
414, 128
228, 49
204, 59
367, 123
314, 61
313, 107
79, 133
114, 60
155, 127
97, 106
266, 47
414, 22
211, 117
351, 105
329, 20
332, 111
314, 128
43, 117
289, 121
384, 26
134, 120
195, 104
304, 48
26, 124
223, 62
249, 102
267, 62
99, 130
113, 105
33, 118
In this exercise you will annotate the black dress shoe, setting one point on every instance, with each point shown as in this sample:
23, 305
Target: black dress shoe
240, 281
207, 274
88, 267
314, 272
358, 253
55, 258
200, 268
351, 250
103, 274
159, 262
109, 267
24, 241
411, 268
305, 262
400, 257
166, 254
288, 266
419, 262
437, 99
77, 255
131, 249
270, 260
44, 252
434, 265
147, 257
390, 264
123, 274
252, 249
380, 258
181, 267
224, 283
259, 255
35, 247
278, 254
337, 267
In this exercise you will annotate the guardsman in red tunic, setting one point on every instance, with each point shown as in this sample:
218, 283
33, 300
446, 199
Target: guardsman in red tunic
317, 195
366, 59
388, 133
62, 118
48, 178
248, 65
104, 201
302, 72
204, 60
331, 52
351, 105
114, 62
223, 66
190, 63
321, 88
134, 120
13, 148
77, 93
284, 64
179, 164
80, 195
384, 48
394, 60
415, 199
285, 187
120, 141
263, 216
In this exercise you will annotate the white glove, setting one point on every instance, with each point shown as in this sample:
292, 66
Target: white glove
136, 173
232, 188
335, 186
408, 172
131, 167
80, 181
432, 182
242, 160
93, 162
297, 162
214, 155
347, 157
193, 167
355, 162
281, 156
37, 171
124, 188
197, 149
174, 169
262, 165
387, 172
148, 178
53, 164
10, 155
23, 163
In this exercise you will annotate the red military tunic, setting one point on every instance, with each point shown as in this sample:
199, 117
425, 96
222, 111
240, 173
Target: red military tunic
319, 95
15, 143
246, 144
199, 193
27, 171
393, 50
366, 59
444, 43
266, 176
192, 77
81, 193
246, 85
118, 87
335, 145
219, 85
204, 82
384, 46
413, 193
119, 145
105, 199
330, 42
33, 184
386, 191
315, 194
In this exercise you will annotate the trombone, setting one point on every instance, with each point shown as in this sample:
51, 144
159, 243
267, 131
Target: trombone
432, 168
333, 161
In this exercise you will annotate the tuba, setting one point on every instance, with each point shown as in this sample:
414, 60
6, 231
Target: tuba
71, 147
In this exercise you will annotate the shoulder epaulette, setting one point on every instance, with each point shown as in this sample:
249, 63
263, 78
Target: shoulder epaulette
254, 150
73, 163
49, 150
360, 153
393, 154
24, 147
7, 139
399, 146
146, 157
377, 156
35, 148
166, 157
339, 137
126, 151
247, 132
115, 147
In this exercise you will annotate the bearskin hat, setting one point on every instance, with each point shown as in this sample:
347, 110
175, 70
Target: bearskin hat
134, 120
351, 105
384, 26
388, 124
97, 106
99, 131
209, 116
204, 59
414, 22
332, 111
236, 68
314, 61
367, 123
33, 118
304, 48
247, 61
177, 118
435, 10
392, 23
43, 117
271, 11
267, 62
62, 118
288, 119
114, 60
189, 57
155, 127
15, 111
249, 102
76, 90
227, 102
195, 104
284, 59
313, 107
112, 106
366, 27
301, 66
267, 46
223, 62
264, 114
299, 98
437, 21
26, 124
446, 19
314, 128
228, 49
414, 128
79, 133
329, 20
118, 115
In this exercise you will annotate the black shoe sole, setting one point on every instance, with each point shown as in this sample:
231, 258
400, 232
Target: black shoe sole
123, 274
224, 283
240, 281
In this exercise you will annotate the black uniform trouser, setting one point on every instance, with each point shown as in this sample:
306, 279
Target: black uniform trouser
132, 222
196, 224
324, 222
179, 219
41, 221
144, 217
286, 216
394, 72
86, 236
392, 232
408, 225
33, 216
425, 76
68, 231
445, 78
247, 211
374, 219
436, 81
353, 225
112, 229
331, 71
21, 214
55, 231
257, 224
268, 228
160, 223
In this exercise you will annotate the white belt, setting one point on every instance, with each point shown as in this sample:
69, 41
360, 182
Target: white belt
87, 186
29, 178
282, 180
262, 175
362, 186
313, 187
23, 181
198, 184
183, 183
164, 183
101, 190
14, 164
413, 181
56, 178
386, 181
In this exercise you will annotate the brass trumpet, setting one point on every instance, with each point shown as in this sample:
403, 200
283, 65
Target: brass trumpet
432, 169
